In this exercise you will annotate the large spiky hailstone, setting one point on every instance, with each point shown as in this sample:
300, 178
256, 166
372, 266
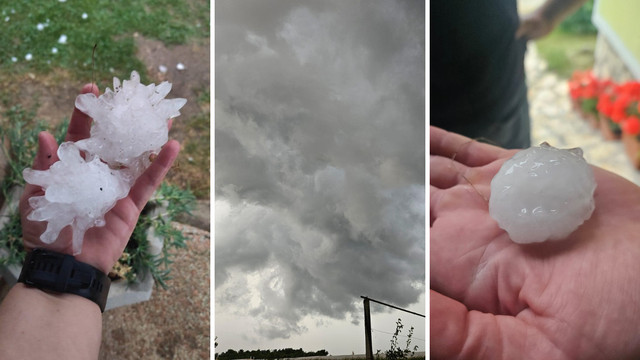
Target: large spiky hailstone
542, 193
130, 122
77, 193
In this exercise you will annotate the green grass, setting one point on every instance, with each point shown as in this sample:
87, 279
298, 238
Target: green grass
109, 23
565, 53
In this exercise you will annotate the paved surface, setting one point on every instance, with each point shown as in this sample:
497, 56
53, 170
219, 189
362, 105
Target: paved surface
174, 324
553, 120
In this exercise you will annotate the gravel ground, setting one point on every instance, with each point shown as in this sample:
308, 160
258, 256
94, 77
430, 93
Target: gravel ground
174, 324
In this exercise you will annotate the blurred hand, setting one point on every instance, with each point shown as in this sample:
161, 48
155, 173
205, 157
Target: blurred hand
491, 298
102, 246
534, 26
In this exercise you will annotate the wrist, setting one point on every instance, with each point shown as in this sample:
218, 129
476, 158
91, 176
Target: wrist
61, 273
46, 302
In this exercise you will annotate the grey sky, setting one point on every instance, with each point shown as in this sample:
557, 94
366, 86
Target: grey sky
320, 156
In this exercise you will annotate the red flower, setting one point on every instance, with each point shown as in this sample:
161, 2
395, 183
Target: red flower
631, 125
605, 105
618, 115
590, 90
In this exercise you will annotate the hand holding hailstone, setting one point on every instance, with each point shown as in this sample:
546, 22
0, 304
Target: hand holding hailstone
130, 124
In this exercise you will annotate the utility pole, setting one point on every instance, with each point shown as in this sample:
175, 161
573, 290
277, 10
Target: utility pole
367, 330
367, 323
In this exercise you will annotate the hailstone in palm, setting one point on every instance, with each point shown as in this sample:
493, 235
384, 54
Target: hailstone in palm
130, 122
78, 192
542, 193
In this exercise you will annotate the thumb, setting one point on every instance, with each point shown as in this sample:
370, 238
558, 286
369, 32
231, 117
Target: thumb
457, 333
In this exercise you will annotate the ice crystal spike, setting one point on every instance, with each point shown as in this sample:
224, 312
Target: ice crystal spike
130, 122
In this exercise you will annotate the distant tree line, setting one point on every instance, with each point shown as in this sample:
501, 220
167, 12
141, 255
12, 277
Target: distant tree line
268, 354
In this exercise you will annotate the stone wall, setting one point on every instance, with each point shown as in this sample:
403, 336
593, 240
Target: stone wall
608, 64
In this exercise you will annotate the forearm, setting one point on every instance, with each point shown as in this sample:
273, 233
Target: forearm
38, 325
557, 10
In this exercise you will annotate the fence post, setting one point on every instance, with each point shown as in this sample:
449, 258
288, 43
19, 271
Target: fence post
367, 330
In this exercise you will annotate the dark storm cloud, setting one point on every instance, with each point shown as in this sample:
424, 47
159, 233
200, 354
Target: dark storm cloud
319, 158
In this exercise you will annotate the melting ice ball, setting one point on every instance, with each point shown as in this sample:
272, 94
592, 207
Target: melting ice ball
130, 122
542, 193
77, 193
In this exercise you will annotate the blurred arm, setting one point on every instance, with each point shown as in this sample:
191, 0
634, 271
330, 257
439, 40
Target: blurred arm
557, 10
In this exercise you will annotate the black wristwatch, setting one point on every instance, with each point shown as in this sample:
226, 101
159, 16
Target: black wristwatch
52, 271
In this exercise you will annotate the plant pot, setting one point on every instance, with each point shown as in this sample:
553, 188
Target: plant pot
632, 148
120, 293
605, 129
575, 105
592, 119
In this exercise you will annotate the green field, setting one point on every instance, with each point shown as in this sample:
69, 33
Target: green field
31, 29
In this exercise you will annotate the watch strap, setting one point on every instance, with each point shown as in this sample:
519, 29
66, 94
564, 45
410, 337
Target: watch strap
62, 273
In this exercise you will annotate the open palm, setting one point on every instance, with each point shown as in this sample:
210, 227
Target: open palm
102, 245
494, 299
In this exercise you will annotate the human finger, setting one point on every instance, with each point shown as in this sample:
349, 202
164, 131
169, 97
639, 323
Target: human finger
467, 151
457, 333
152, 177
446, 173
80, 124
435, 192
45, 157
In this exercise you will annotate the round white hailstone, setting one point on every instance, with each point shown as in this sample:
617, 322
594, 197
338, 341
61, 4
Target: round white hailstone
77, 193
54, 50
163, 69
7, 19
130, 122
62, 39
28, 57
14, 59
40, 27
542, 193
84, 15
180, 66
